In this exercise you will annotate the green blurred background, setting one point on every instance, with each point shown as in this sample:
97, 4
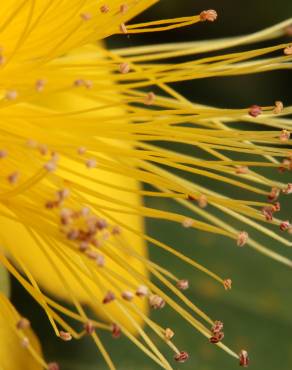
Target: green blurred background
257, 312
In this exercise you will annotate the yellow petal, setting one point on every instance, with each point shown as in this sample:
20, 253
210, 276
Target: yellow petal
15, 344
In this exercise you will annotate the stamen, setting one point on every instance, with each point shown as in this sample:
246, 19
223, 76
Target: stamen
86, 16
104, 9
89, 327
227, 284
288, 50
242, 238
288, 189
255, 110
25, 342
274, 194
65, 336
182, 357
23, 323
150, 98
123, 28
208, 15
53, 366
156, 302
91, 163
13, 177
285, 225
243, 358
109, 297
142, 291
124, 68
116, 331
285, 135
169, 334
124, 8
127, 295
40, 85
11, 95
278, 107
183, 284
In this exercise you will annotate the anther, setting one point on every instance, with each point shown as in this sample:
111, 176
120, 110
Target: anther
255, 110
288, 189
100, 260
123, 28
216, 338
91, 254
156, 302
53, 366
63, 194
268, 213
142, 291
202, 201
124, 68
288, 30
79, 82
50, 166
109, 297
89, 328
101, 223
187, 223
285, 135
31, 143
242, 170
217, 327
88, 84
86, 16
84, 212
83, 246
285, 225
183, 284
13, 177
11, 95
181, 357
278, 107
2, 60
243, 358
55, 156
274, 194
124, 8
116, 230
43, 149
288, 50
23, 323
81, 150
227, 284
116, 331
91, 163
3, 153
208, 15
24, 342
127, 295
169, 334
242, 238
40, 85
276, 207
65, 336
150, 98
104, 9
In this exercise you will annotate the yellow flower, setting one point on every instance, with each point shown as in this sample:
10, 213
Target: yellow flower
80, 126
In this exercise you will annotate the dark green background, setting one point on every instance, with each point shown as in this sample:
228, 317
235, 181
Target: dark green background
257, 312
